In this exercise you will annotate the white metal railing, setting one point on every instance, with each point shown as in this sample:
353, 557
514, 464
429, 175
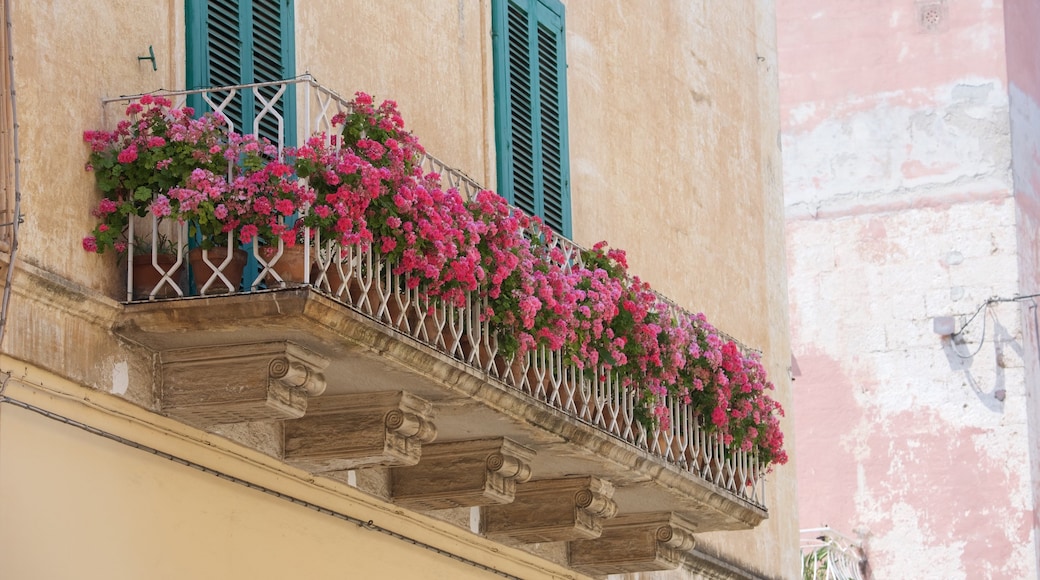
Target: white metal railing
829, 555
358, 278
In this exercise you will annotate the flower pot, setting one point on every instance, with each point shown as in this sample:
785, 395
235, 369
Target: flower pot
330, 280
226, 274
335, 281
370, 302
148, 274
290, 265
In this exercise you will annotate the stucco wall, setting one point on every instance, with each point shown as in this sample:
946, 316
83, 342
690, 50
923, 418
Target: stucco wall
1023, 57
63, 68
674, 157
900, 208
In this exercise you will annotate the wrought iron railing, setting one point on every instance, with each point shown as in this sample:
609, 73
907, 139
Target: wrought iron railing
359, 279
829, 555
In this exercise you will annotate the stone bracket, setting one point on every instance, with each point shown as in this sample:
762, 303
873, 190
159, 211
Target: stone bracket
345, 432
640, 542
463, 474
553, 510
237, 383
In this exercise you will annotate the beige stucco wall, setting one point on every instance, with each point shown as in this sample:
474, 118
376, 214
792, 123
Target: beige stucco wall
673, 155
68, 56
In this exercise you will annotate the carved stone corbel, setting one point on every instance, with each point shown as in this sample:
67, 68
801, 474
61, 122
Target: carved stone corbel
355, 431
635, 543
553, 510
238, 383
462, 474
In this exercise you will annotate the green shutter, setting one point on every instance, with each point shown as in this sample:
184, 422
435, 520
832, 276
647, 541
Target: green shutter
531, 108
273, 60
232, 42
520, 154
552, 101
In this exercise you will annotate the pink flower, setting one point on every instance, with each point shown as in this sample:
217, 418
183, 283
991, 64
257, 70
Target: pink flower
161, 206
262, 206
90, 244
285, 206
106, 206
128, 155
247, 233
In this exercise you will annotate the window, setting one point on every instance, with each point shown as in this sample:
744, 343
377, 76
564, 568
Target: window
531, 108
234, 42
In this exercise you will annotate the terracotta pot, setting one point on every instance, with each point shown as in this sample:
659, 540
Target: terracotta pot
203, 271
147, 277
335, 281
290, 265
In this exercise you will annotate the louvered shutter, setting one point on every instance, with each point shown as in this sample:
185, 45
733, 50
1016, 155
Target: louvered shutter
531, 108
224, 51
549, 44
232, 42
519, 170
272, 60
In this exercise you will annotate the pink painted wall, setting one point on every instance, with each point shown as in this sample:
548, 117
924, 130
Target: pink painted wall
1022, 19
897, 139
874, 51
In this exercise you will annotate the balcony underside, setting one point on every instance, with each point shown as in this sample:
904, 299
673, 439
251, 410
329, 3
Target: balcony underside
366, 358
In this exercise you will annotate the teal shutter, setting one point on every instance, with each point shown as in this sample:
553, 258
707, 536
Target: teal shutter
233, 42
531, 108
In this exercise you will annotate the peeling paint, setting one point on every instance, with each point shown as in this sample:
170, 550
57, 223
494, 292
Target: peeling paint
955, 491
830, 399
897, 148
912, 186
120, 378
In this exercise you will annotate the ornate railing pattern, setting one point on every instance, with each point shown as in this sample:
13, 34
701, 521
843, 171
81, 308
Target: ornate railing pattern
358, 278
829, 555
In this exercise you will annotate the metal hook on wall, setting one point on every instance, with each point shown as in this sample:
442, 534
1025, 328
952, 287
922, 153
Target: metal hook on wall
151, 57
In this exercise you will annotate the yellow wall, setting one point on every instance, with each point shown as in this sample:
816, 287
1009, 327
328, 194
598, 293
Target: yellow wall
74, 504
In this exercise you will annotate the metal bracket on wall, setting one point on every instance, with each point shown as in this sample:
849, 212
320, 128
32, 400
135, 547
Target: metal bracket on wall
151, 57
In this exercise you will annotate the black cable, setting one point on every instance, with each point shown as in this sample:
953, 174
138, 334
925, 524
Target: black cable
982, 340
990, 301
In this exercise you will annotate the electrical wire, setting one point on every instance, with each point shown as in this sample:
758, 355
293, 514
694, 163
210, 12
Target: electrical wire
985, 306
982, 340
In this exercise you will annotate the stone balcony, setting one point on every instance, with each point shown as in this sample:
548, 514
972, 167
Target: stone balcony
349, 371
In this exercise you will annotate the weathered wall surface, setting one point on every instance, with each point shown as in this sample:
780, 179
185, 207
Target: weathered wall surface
900, 208
1022, 19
